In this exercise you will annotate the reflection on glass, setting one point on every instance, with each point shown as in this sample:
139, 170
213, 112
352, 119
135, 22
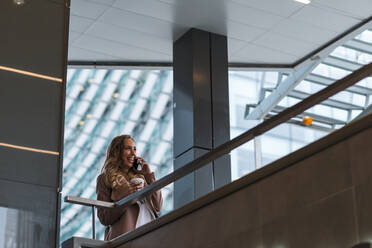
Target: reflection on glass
20, 228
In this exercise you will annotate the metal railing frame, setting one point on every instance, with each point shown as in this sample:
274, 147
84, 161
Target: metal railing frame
225, 148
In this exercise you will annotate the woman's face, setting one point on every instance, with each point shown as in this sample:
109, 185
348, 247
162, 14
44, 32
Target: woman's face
129, 152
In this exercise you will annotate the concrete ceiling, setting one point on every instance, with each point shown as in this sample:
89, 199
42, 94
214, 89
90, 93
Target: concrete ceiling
258, 31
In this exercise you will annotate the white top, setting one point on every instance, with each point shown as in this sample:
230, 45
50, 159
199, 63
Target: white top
145, 214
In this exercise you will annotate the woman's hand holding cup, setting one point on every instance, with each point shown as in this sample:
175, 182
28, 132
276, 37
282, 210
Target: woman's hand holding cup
137, 183
125, 188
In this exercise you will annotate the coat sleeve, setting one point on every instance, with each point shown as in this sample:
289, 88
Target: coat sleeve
106, 216
156, 197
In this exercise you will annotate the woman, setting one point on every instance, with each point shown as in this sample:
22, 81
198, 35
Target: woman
114, 183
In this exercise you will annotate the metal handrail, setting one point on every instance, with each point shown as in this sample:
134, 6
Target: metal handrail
89, 202
225, 148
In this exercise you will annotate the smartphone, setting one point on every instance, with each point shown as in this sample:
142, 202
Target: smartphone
136, 164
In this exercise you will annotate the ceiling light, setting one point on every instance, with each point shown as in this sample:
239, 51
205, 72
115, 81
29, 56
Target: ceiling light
31, 74
303, 1
28, 148
19, 2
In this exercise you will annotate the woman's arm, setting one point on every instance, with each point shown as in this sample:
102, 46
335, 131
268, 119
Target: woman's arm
124, 188
106, 216
156, 197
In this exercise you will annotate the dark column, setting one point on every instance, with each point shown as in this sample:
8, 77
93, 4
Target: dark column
201, 111
33, 48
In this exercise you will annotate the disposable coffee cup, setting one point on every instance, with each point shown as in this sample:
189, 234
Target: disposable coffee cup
137, 179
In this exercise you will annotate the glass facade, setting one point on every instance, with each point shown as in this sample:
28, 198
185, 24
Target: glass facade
102, 104
248, 89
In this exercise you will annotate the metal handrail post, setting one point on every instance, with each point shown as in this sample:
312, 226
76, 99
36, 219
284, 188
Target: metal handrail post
93, 223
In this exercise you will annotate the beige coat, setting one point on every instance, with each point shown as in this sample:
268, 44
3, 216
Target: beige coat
121, 220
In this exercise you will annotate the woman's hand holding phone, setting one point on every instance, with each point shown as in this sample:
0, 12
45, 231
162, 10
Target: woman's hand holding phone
145, 167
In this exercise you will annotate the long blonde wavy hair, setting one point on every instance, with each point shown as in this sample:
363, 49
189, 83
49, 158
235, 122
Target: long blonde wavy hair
113, 168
